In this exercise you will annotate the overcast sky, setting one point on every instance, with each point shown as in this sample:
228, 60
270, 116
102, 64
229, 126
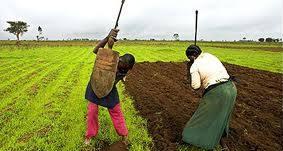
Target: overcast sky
144, 19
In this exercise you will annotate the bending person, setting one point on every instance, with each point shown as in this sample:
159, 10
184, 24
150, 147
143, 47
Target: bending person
211, 119
111, 101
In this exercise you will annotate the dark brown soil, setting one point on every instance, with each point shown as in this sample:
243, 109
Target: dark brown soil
164, 97
118, 146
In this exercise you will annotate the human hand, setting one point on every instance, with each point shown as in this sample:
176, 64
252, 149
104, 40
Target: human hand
113, 33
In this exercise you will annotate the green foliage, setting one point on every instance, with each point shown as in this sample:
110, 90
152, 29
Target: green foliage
17, 28
269, 40
176, 36
39, 29
261, 39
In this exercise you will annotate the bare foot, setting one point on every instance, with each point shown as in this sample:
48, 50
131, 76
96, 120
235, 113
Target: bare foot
125, 140
87, 141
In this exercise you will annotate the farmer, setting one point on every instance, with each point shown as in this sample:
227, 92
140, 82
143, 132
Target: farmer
211, 120
111, 101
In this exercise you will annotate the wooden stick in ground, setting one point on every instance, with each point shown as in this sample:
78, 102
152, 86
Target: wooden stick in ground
196, 27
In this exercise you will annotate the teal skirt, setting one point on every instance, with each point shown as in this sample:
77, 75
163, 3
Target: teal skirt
212, 117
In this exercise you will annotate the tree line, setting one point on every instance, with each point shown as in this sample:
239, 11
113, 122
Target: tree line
18, 28
269, 39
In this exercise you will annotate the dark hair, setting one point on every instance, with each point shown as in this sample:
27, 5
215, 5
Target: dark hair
192, 50
128, 59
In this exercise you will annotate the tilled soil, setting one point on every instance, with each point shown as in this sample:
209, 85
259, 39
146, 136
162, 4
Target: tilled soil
164, 97
118, 146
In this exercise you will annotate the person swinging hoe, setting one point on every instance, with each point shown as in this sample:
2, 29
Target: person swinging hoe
101, 90
210, 122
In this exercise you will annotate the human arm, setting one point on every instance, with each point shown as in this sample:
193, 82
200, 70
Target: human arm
195, 80
112, 34
194, 75
189, 64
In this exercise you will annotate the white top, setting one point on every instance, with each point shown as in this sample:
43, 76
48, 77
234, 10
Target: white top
207, 70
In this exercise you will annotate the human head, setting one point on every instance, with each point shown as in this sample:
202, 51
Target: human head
192, 52
126, 62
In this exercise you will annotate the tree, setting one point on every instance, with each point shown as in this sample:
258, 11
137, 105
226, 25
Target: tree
176, 36
17, 28
261, 39
276, 40
268, 39
39, 36
39, 30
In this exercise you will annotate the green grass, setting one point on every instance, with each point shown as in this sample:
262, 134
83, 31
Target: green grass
42, 105
263, 60
42, 102
257, 59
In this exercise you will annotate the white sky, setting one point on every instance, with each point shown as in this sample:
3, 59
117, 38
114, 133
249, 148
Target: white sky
145, 19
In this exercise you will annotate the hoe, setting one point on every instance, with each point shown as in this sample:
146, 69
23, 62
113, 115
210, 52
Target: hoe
105, 66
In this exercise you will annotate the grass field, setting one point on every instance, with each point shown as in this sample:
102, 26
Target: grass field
42, 86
